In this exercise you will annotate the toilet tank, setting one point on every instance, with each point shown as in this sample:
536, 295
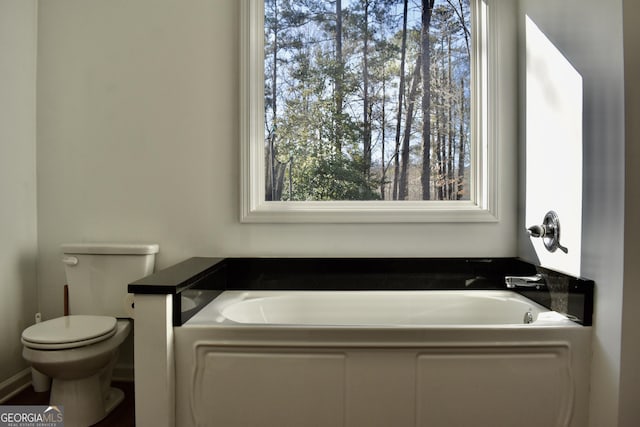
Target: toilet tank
98, 275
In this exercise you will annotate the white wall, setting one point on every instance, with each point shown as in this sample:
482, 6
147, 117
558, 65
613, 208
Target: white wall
18, 233
629, 372
552, 128
138, 141
589, 34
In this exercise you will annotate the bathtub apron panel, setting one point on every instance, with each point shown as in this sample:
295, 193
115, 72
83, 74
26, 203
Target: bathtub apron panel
507, 384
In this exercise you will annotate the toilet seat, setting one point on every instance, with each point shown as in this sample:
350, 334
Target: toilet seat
69, 332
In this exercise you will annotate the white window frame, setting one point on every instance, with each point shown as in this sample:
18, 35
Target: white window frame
483, 204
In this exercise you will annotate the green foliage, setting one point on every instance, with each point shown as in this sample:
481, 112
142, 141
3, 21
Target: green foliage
314, 98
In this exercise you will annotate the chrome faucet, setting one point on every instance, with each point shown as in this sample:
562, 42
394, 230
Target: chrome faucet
536, 281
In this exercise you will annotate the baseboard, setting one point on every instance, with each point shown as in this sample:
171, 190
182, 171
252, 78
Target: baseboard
15, 384
123, 372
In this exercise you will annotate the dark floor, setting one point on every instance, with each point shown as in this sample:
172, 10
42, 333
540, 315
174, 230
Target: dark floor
122, 416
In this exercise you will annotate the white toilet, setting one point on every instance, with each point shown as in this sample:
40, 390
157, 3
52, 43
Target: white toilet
79, 351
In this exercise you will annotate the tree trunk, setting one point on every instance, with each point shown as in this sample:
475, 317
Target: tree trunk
461, 150
450, 151
465, 29
339, 95
403, 53
438, 147
271, 171
427, 10
383, 126
411, 101
366, 110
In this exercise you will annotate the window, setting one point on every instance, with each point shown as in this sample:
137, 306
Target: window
325, 134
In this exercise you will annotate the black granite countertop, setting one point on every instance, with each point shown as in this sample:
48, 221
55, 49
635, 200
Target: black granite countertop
179, 277
208, 277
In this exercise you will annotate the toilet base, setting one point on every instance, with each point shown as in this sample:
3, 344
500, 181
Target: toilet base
114, 397
83, 400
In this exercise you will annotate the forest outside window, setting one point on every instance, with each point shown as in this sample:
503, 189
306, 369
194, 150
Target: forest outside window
366, 110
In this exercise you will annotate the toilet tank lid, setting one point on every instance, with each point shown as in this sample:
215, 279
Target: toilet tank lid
110, 248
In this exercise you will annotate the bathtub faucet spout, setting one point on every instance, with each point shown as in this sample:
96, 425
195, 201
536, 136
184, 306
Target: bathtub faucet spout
536, 281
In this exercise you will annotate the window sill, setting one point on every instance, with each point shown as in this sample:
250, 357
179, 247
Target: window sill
350, 212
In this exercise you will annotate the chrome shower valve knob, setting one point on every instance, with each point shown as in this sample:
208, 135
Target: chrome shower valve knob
549, 232
537, 231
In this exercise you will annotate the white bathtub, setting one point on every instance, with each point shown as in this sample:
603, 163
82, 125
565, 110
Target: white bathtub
377, 308
383, 358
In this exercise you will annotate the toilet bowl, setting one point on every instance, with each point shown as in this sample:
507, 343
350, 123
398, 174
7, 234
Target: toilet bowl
78, 353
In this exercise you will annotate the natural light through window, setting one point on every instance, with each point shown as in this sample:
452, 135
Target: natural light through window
367, 99
554, 127
365, 110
